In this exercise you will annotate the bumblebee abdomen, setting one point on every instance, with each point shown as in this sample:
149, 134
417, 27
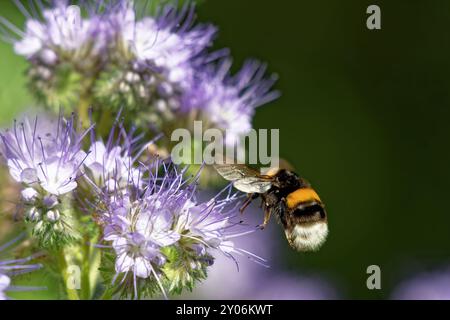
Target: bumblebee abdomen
306, 225
301, 195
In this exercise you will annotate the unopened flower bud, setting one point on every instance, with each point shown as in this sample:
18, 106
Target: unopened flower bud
29, 194
34, 214
38, 226
53, 215
50, 201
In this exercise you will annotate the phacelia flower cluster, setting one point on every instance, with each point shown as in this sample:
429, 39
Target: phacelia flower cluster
93, 191
152, 63
45, 157
66, 46
229, 102
156, 67
162, 238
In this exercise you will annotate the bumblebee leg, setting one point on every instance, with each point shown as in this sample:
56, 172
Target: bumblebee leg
267, 214
247, 202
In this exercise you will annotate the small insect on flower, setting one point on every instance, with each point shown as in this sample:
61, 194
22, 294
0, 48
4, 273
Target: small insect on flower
162, 238
13, 267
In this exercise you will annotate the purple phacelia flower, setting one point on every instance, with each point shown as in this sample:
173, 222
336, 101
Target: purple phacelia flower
12, 267
58, 31
66, 45
138, 231
43, 154
166, 43
161, 233
426, 285
213, 224
228, 102
151, 60
110, 166
114, 164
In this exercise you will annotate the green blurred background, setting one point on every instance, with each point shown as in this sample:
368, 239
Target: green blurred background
363, 115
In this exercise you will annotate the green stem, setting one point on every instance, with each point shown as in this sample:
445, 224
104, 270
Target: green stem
85, 270
104, 125
107, 295
83, 111
72, 294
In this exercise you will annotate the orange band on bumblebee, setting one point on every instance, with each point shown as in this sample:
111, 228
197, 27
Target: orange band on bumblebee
300, 196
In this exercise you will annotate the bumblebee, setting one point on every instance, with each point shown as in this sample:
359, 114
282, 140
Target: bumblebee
289, 197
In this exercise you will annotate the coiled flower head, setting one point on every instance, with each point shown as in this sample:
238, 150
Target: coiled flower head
65, 49
152, 61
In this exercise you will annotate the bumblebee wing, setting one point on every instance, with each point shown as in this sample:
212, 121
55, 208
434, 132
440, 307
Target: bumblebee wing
252, 185
233, 172
282, 164
244, 178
